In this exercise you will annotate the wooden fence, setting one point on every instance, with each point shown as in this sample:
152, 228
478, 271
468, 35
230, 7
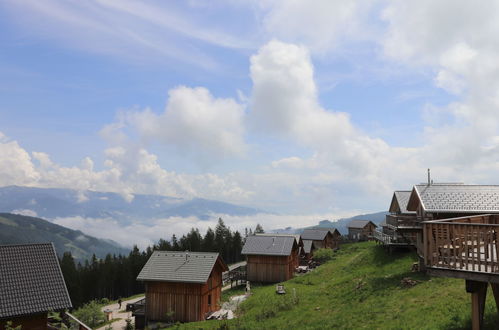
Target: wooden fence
466, 243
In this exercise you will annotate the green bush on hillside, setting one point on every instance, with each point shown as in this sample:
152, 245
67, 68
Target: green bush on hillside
91, 314
323, 255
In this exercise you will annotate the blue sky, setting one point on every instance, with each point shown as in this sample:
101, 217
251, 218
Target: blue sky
319, 108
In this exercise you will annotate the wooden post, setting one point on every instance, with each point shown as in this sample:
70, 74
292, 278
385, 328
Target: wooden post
478, 292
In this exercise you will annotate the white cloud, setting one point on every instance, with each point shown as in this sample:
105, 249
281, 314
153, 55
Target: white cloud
147, 234
195, 122
127, 30
16, 167
29, 213
320, 25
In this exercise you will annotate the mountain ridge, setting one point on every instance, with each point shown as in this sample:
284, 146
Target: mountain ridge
21, 229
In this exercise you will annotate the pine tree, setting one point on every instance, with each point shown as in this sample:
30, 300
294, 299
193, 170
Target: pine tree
259, 229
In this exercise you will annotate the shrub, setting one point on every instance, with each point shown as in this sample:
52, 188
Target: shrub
323, 255
90, 314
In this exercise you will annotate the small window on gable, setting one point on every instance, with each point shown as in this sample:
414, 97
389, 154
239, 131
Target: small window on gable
209, 300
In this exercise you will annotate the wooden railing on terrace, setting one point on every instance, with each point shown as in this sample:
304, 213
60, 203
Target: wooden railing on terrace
466, 243
402, 220
381, 237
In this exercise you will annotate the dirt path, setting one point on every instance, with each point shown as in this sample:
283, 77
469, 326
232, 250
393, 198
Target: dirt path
120, 313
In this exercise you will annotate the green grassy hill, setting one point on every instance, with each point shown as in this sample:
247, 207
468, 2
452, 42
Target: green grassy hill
360, 289
20, 229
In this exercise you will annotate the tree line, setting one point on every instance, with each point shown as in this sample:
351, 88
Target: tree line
115, 276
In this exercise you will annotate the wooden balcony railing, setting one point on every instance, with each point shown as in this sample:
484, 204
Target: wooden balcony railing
466, 243
400, 221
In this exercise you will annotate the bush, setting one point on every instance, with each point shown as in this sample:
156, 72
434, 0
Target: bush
90, 314
323, 255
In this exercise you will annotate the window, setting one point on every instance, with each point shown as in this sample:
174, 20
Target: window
209, 300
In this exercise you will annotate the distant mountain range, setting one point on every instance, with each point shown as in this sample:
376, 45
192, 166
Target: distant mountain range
340, 224
51, 203
19, 229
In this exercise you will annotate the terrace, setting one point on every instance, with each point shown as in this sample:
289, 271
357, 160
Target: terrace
467, 248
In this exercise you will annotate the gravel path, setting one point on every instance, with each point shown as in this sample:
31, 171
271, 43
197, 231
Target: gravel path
120, 313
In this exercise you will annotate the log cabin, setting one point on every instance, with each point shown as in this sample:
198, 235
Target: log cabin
361, 230
270, 258
31, 285
322, 237
182, 286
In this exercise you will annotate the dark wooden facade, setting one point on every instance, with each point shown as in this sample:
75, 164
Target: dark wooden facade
272, 269
335, 239
32, 322
184, 302
362, 234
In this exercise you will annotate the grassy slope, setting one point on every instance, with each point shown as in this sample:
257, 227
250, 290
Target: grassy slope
361, 288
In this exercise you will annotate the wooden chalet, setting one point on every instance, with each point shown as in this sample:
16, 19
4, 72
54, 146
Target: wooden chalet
361, 230
322, 237
401, 227
299, 242
460, 236
308, 250
31, 284
181, 286
270, 258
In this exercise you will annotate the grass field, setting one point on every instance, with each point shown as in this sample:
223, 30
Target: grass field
360, 289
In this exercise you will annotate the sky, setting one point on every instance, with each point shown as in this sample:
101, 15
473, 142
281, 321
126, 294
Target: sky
294, 107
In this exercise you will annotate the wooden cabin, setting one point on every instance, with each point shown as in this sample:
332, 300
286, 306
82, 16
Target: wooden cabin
361, 230
401, 226
337, 238
322, 237
270, 258
299, 242
436, 201
308, 250
182, 286
31, 284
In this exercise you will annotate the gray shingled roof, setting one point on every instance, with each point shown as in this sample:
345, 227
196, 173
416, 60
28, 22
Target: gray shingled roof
296, 236
307, 245
401, 197
359, 224
314, 234
456, 198
268, 245
174, 266
31, 280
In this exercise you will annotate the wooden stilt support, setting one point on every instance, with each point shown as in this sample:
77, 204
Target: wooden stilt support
495, 291
478, 292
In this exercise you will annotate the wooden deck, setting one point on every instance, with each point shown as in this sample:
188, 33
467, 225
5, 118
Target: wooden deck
463, 244
466, 248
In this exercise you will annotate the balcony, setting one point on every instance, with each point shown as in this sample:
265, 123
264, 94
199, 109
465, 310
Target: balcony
465, 247
403, 221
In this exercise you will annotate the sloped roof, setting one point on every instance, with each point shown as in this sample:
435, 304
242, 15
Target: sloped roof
269, 245
399, 202
296, 236
359, 224
455, 198
308, 244
31, 280
185, 267
315, 234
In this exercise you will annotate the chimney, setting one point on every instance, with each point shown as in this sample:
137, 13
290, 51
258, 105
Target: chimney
186, 255
429, 178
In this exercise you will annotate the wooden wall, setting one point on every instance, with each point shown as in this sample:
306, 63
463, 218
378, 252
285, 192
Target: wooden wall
188, 301
33, 322
272, 269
